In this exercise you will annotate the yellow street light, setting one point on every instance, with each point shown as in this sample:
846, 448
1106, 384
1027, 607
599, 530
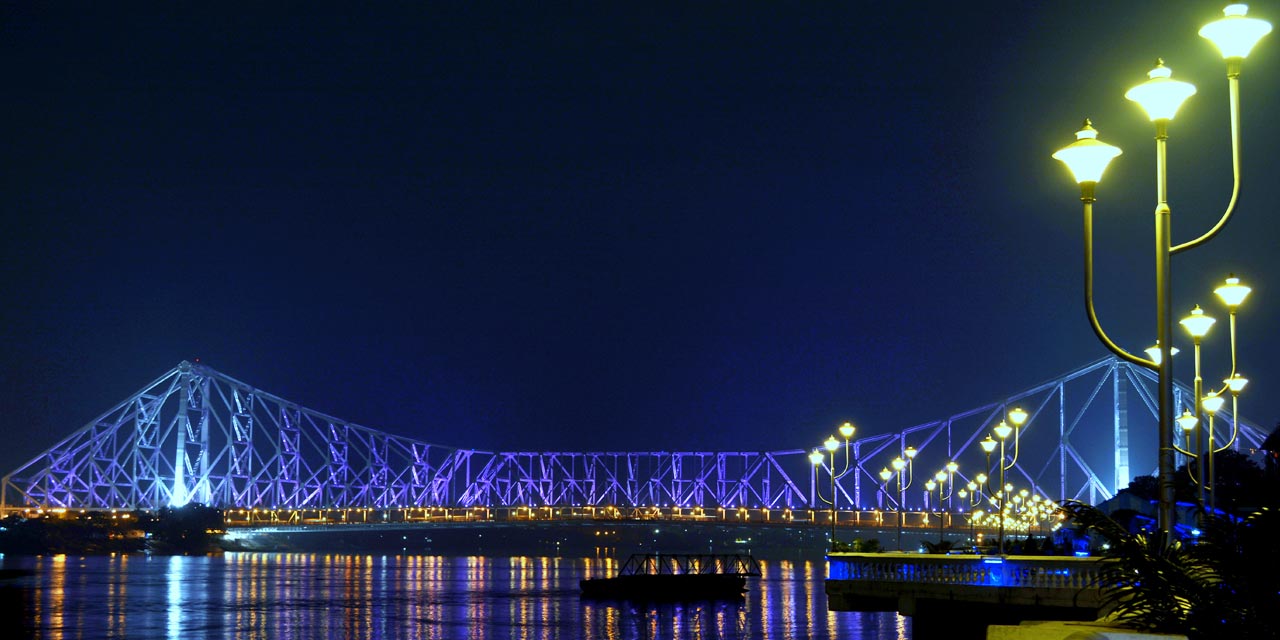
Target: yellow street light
1017, 416
1161, 95
1187, 421
886, 474
846, 430
1003, 430
1235, 34
898, 464
911, 452
1153, 352
1232, 293
831, 444
988, 445
816, 457
1212, 403
1236, 383
1087, 157
1197, 324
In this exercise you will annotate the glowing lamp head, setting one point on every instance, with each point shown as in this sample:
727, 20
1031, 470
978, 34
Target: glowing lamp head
964, 493
1003, 430
1236, 383
988, 445
816, 457
981, 478
1212, 403
1008, 487
1232, 293
1187, 421
1197, 324
831, 444
911, 452
952, 467
898, 464
885, 474
930, 485
846, 430
1153, 352
1017, 416
1161, 95
972, 486
1087, 157
940, 476
1235, 34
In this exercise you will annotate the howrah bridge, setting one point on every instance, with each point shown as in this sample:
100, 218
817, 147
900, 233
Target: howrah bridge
197, 435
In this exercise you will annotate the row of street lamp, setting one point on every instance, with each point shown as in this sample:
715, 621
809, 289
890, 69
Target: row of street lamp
1235, 35
943, 482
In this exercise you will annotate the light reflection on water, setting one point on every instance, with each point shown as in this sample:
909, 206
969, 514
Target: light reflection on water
349, 597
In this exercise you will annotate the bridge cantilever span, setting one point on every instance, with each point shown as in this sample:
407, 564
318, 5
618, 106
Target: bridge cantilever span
198, 435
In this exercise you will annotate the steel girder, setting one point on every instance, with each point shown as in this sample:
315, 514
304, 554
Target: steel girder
195, 434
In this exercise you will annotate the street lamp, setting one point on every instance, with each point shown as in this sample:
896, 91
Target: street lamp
816, 457
1198, 325
945, 479
1087, 158
1211, 403
899, 466
1153, 352
1002, 431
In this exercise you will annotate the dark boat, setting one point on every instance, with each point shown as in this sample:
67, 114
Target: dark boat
655, 576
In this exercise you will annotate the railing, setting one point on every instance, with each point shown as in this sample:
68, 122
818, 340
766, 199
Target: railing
1044, 572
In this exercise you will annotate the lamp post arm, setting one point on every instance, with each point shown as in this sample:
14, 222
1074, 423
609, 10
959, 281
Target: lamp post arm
1087, 198
1185, 453
1233, 82
1235, 422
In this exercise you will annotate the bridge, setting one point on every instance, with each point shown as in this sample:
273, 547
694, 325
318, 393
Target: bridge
197, 435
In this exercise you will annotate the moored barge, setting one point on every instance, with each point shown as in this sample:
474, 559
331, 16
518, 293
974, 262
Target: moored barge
656, 576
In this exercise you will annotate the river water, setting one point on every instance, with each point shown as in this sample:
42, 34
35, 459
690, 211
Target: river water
333, 596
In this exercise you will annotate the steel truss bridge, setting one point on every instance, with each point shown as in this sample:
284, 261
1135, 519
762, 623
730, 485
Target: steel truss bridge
197, 435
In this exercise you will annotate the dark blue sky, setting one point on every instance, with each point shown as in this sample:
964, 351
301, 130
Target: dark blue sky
656, 226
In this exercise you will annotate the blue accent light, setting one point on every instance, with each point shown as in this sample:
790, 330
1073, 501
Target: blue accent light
1082, 554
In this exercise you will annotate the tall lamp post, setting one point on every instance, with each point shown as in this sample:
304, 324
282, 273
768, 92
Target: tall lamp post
1002, 430
832, 445
944, 482
1235, 35
901, 465
1198, 324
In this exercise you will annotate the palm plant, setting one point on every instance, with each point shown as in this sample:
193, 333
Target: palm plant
1221, 584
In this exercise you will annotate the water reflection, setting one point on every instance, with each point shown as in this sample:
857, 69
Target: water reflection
332, 597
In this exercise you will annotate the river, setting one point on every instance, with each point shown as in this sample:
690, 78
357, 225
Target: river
353, 596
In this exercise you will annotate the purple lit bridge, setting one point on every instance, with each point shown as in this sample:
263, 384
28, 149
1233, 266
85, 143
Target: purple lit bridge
197, 435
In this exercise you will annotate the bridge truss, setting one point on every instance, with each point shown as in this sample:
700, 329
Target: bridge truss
197, 435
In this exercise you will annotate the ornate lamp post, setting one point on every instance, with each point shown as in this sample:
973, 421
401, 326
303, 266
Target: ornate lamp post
1211, 403
1198, 325
1087, 158
899, 466
816, 457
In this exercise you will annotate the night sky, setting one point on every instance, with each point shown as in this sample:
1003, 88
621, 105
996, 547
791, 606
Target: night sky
616, 226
